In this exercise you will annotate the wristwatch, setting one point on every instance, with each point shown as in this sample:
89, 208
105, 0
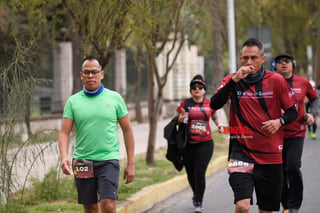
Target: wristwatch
282, 121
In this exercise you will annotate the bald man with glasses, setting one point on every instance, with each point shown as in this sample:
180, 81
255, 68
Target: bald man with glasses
95, 112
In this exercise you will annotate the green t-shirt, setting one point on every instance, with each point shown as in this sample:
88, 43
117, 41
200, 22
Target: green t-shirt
96, 123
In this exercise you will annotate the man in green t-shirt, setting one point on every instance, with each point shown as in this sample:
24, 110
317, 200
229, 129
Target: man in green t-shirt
95, 112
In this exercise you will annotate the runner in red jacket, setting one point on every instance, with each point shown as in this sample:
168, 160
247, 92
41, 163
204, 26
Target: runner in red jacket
292, 191
255, 155
196, 112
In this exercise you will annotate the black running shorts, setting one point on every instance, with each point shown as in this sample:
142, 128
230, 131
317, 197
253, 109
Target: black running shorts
104, 184
266, 180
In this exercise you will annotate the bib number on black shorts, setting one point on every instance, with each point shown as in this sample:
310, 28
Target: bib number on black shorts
82, 168
239, 166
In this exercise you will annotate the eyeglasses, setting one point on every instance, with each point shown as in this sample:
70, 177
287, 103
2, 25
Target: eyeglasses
93, 72
287, 60
197, 87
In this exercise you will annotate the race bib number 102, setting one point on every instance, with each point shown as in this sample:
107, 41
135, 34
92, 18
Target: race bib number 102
82, 168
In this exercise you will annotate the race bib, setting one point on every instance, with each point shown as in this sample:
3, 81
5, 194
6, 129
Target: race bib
82, 168
198, 127
239, 166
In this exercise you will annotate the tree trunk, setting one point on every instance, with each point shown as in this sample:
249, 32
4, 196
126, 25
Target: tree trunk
217, 45
27, 115
154, 111
151, 117
137, 86
77, 56
218, 38
153, 128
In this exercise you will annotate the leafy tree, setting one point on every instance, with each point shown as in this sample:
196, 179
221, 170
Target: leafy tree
163, 28
97, 27
292, 25
21, 29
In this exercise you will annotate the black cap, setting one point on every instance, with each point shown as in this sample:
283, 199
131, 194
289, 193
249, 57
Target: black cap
198, 79
283, 55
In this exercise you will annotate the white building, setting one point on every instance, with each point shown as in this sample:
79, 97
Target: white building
188, 64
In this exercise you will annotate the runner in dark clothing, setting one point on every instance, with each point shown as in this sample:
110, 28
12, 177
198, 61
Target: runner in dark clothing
312, 128
255, 155
292, 191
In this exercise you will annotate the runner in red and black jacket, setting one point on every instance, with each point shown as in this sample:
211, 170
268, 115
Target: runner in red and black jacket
257, 97
197, 154
292, 191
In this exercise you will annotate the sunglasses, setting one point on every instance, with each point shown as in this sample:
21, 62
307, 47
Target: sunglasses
197, 87
287, 60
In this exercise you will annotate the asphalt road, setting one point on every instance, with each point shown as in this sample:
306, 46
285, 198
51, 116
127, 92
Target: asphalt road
219, 197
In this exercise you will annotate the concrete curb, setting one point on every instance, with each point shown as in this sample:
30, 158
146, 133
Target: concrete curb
148, 196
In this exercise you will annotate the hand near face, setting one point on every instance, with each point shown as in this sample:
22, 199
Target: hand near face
243, 72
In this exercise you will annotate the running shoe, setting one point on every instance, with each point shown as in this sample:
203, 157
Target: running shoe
198, 208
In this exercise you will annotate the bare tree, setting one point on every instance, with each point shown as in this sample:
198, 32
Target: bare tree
15, 85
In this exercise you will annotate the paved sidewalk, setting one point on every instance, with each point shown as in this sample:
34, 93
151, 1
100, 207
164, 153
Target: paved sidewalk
141, 133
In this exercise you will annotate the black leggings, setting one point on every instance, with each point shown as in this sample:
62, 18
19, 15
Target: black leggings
196, 159
292, 189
